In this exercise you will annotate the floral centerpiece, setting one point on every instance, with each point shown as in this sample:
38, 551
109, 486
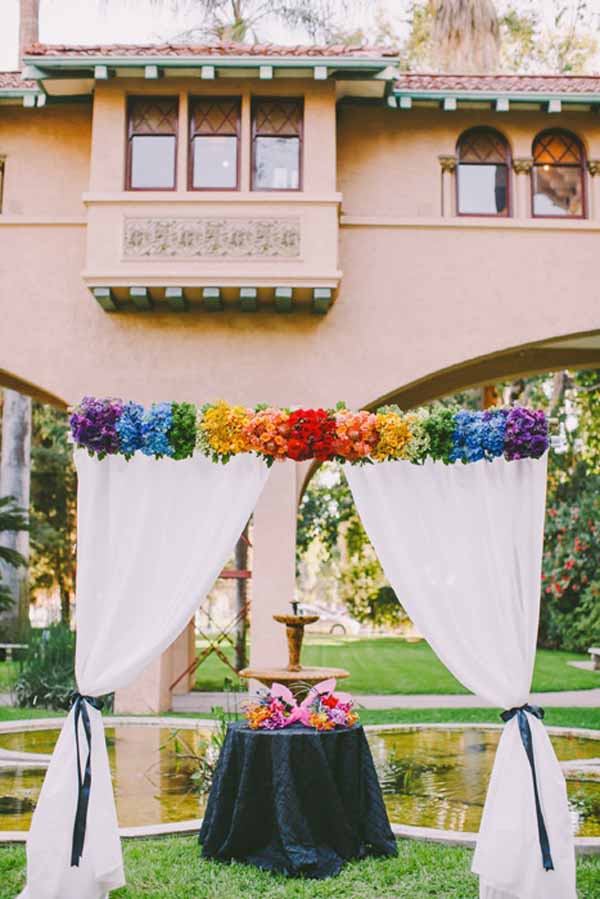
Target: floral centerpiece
324, 709
274, 709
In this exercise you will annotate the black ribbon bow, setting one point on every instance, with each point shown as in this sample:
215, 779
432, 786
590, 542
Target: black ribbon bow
527, 740
84, 784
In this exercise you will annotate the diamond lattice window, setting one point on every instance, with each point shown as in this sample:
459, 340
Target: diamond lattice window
152, 143
558, 178
214, 143
483, 173
277, 131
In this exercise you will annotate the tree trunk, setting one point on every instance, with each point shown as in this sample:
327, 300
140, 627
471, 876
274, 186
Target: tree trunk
29, 25
15, 478
241, 589
65, 603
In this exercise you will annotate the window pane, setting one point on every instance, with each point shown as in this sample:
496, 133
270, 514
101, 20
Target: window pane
482, 189
153, 161
276, 163
557, 190
215, 162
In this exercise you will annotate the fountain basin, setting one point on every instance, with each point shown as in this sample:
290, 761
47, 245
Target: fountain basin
299, 680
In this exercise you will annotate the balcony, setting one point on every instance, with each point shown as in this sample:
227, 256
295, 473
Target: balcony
173, 252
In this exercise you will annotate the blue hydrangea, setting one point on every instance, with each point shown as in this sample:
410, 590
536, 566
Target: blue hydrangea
156, 425
494, 428
467, 440
129, 428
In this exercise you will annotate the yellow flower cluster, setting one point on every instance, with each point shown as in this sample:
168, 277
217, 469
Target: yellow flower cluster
401, 436
221, 429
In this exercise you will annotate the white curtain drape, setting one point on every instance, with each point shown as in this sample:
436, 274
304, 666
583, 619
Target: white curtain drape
152, 537
461, 546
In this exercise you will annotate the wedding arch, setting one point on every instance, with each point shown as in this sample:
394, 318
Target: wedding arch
158, 515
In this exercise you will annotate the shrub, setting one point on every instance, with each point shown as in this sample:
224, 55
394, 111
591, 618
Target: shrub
47, 678
570, 613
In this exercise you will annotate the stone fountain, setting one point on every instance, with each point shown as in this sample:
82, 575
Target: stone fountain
295, 676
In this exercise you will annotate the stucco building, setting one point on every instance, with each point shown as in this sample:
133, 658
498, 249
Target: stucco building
292, 225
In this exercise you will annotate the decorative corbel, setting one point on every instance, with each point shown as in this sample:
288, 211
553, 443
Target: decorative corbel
448, 163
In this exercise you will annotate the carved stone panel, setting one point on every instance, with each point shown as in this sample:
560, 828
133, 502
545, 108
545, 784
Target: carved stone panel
195, 238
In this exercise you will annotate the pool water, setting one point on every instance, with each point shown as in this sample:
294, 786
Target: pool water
431, 777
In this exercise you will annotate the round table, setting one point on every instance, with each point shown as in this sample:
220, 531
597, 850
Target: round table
297, 801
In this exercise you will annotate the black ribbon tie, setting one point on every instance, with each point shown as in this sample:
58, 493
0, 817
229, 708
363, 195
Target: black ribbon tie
527, 741
84, 784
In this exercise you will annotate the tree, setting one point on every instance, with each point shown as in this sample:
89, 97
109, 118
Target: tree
466, 34
242, 20
15, 478
53, 507
12, 521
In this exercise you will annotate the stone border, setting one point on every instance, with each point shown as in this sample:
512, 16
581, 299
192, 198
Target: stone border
583, 845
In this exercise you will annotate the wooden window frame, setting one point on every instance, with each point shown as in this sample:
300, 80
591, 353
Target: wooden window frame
255, 101
484, 129
581, 166
131, 134
198, 98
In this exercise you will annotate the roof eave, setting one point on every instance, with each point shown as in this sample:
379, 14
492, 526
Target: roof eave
491, 96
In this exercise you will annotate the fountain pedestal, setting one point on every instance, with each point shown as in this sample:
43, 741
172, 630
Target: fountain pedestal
295, 676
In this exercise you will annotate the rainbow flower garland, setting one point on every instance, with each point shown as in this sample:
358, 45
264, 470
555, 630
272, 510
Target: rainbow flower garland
220, 431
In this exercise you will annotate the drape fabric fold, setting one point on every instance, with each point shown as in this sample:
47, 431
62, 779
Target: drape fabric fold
461, 546
153, 536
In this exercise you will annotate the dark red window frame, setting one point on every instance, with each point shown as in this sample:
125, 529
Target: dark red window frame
298, 102
194, 102
506, 161
133, 132
565, 133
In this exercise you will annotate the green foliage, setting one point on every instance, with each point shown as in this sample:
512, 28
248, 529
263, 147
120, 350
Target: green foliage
588, 400
47, 677
327, 503
570, 616
440, 428
53, 506
182, 434
12, 519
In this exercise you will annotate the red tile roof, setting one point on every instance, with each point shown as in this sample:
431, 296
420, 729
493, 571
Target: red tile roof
225, 49
13, 81
525, 84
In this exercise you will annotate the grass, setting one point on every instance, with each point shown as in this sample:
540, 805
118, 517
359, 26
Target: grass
390, 665
171, 867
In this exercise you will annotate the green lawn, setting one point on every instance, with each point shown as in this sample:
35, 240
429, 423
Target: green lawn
171, 868
390, 665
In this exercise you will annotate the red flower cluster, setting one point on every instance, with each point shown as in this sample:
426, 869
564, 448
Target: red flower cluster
312, 434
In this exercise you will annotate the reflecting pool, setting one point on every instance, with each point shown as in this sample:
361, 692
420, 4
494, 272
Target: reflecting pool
431, 777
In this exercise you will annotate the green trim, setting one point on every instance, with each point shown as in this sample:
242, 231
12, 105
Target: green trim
511, 96
248, 299
46, 64
140, 298
322, 299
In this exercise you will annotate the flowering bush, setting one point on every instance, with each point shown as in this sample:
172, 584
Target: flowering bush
570, 610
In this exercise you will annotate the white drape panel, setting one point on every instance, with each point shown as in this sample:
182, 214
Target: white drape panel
461, 546
152, 538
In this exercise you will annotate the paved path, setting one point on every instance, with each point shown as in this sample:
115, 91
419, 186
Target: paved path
204, 702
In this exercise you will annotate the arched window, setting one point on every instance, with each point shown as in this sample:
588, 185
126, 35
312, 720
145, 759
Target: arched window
483, 173
558, 186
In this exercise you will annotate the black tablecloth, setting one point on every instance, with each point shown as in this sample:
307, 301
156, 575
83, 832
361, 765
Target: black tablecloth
296, 800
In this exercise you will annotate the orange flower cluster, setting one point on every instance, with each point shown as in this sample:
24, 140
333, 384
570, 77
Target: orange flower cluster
256, 715
356, 434
268, 431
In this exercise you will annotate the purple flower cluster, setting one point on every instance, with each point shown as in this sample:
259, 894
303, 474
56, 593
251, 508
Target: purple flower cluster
94, 425
526, 435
